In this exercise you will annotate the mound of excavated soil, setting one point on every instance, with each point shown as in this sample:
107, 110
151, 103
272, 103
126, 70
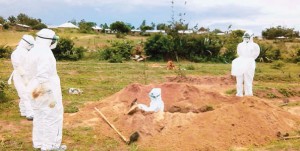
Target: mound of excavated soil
195, 118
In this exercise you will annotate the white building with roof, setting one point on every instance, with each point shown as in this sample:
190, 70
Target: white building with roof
67, 25
97, 28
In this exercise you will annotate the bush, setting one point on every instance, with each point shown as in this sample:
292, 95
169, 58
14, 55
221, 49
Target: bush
159, 47
65, 50
195, 48
190, 67
3, 86
278, 65
117, 52
5, 51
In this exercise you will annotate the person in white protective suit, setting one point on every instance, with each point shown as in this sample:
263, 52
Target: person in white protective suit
45, 92
243, 67
18, 59
156, 103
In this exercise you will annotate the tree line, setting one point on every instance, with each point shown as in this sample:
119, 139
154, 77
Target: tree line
125, 28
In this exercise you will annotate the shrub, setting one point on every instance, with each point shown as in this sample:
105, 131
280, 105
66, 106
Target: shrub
5, 51
159, 47
190, 67
65, 50
3, 86
117, 52
278, 65
195, 48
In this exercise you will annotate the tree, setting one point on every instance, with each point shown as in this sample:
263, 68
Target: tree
203, 29
73, 21
130, 26
144, 28
238, 33
12, 19
153, 25
120, 27
86, 27
217, 31
23, 19
273, 32
161, 26
143, 24
2, 20
105, 26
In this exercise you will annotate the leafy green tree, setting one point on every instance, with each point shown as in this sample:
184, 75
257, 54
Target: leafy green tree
120, 27
161, 26
2, 20
130, 26
153, 25
86, 27
144, 28
273, 32
32, 22
12, 19
73, 21
143, 24
238, 33
217, 31
23, 18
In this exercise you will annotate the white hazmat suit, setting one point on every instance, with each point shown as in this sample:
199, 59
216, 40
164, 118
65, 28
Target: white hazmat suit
18, 59
156, 103
45, 91
243, 67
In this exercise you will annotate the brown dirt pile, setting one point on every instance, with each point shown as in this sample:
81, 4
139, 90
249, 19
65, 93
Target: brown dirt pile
195, 118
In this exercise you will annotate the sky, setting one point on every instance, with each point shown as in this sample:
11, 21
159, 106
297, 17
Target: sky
254, 15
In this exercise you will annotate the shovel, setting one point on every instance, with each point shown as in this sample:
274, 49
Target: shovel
133, 137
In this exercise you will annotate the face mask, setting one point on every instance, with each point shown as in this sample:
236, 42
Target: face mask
246, 39
53, 46
54, 42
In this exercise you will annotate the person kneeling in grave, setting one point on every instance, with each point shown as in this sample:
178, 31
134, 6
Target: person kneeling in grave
156, 103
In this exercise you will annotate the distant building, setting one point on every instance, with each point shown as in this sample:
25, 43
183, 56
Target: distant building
67, 25
97, 29
220, 34
109, 31
202, 32
136, 31
155, 31
185, 31
281, 37
22, 27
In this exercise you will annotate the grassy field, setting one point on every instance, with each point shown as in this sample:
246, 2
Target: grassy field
100, 79
89, 41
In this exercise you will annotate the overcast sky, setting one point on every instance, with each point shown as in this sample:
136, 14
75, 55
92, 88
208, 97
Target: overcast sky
255, 15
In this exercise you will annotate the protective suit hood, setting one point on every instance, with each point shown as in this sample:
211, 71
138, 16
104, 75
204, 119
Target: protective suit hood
26, 42
248, 37
155, 93
47, 37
